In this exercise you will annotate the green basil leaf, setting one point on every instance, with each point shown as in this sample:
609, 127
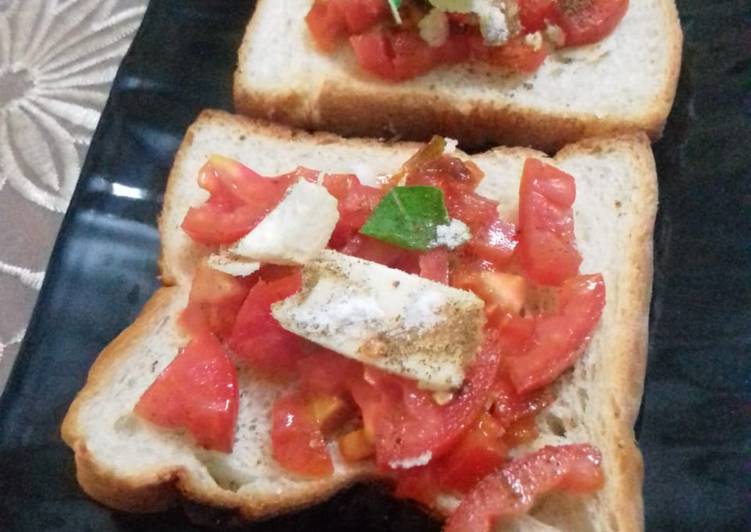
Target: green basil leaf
394, 5
407, 217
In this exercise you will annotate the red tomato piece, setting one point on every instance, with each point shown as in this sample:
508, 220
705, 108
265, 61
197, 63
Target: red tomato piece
361, 15
509, 406
393, 56
434, 265
328, 373
240, 198
558, 338
374, 250
590, 21
480, 452
406, 423
513, 490
196, 392
516, 55
546, 248
257, 338
297, 442
215, 299
534, 14
495, 241
355, 203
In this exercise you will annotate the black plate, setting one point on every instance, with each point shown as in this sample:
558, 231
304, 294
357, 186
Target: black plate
694, 429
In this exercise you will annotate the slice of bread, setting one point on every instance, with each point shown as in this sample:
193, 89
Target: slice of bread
626, 82
128, 464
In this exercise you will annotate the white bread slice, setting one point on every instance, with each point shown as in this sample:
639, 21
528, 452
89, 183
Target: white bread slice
625, 82
126, 464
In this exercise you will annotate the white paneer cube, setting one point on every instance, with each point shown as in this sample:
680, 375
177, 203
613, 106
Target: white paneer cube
401, 323
237, 266
295, 230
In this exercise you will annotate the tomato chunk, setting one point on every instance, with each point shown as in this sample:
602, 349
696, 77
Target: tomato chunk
257, 338
393, 56
239, 199
215, 299
355, 202
330, 20
546, 248
514, 489
434, 265
534, 14
297, 442
516, 55
326, 372
405, 421
590, 21
196, 392
558, 338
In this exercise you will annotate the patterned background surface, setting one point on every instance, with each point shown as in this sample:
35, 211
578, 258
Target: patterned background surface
57, 61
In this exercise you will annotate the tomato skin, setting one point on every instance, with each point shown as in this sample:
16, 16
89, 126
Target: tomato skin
546, 248
355, 202
434, 265
405, 421
589, 22
258, 340
368, 248
297, 442
573, 468
329, 21
558, 338
239, 199
326, 372
533, 14
198, 392
214, 301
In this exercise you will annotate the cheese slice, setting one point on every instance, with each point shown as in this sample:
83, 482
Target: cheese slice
295, 230
231, 264
395, 321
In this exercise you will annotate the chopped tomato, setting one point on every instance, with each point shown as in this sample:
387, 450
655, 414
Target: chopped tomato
257, 338
215, 298
355, 203
297, 442
405, 421
477, 454
239, 199
559, 337
534, 14
434, 265
514, 489
374, 250
516, 55
393, 56
494, 240
502, 292
480, 452
331, 20
586, 22
196, 392
546, 248
326, 372
509, 406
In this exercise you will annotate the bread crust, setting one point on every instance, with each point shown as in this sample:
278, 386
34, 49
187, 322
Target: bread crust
162, 488
419, 113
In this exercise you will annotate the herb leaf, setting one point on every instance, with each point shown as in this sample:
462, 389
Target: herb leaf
394, 5
407, 217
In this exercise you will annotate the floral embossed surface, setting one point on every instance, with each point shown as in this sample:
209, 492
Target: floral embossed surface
57, 61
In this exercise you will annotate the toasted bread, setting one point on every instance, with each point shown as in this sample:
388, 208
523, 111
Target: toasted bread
129, 464
626, 82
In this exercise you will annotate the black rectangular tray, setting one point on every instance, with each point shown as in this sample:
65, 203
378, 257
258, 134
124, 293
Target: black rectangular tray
695, 425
